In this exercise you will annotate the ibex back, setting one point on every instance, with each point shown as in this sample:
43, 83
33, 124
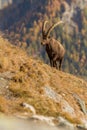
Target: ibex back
54, 48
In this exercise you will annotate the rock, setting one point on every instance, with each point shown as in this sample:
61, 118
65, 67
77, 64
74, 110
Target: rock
29, 107
65, 107
11, 123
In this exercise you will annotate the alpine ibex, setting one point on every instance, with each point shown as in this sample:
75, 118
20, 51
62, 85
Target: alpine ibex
54, 48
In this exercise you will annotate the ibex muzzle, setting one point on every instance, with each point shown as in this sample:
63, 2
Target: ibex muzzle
54, 49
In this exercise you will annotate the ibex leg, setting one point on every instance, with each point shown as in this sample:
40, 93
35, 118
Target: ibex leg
51, 63
60, 64
55, 64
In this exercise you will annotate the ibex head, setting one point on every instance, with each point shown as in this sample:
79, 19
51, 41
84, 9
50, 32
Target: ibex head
45, 34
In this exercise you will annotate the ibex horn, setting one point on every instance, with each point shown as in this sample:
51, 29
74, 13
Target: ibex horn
44, 27
53, 26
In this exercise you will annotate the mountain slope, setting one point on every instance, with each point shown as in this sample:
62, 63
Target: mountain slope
50, 92
23, 28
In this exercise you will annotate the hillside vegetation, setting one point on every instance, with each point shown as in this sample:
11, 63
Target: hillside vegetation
24, 80
23, 28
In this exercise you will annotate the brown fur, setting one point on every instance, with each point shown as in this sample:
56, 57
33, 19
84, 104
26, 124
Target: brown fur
54, 50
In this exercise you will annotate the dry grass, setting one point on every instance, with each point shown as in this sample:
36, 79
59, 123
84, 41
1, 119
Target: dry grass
3, 105
28, 82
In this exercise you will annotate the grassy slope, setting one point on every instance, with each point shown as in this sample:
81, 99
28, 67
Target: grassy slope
26, 83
